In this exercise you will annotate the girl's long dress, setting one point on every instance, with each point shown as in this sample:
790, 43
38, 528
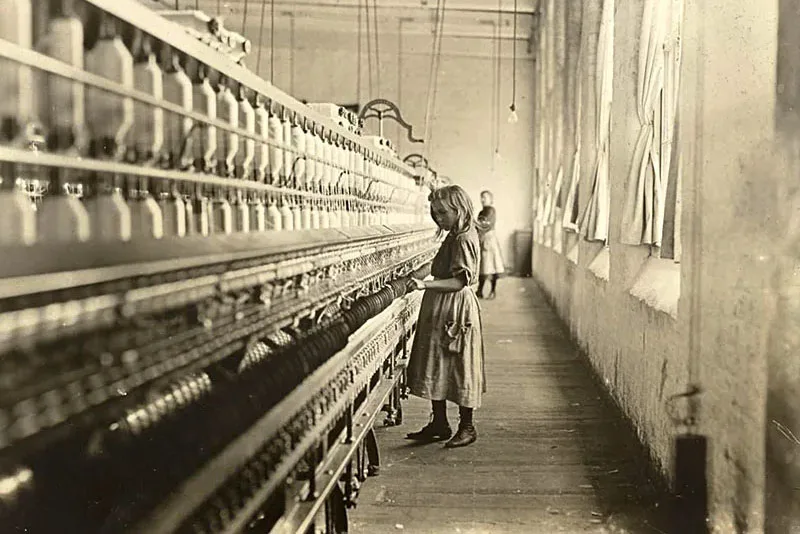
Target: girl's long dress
491, 254
446, 360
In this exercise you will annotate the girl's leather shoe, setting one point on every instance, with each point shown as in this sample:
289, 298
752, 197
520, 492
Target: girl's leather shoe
466, 435
432, 432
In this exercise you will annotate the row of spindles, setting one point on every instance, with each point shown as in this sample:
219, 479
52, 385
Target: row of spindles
319, 179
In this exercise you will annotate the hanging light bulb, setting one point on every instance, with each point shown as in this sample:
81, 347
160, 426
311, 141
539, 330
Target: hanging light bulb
497, 156
513, 118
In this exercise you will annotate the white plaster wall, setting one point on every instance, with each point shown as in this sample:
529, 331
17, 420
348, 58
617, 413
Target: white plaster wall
730, 235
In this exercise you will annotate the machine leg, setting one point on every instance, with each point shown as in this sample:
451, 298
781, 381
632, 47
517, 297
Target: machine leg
321, 521
399, 417
336, 508
394, 408
349, 424
313, 492
351, 485
391, 409
373, 456
361, 462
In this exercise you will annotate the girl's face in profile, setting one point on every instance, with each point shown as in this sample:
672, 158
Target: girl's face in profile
486, 200
444, 217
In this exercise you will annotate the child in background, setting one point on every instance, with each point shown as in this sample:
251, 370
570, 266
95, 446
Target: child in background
491, 255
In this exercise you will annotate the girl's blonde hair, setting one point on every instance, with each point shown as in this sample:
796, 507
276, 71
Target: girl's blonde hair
456, 199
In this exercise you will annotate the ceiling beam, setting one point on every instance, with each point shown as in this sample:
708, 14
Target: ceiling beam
480, 6
474, 28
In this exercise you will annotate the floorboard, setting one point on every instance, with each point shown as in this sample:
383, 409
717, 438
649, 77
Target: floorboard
553, 455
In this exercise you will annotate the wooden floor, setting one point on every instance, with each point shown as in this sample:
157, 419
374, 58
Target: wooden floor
553, 455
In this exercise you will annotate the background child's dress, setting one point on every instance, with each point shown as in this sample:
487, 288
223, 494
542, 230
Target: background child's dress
446, 360
491, 253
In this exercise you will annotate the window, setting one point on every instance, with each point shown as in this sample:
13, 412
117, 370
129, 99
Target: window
653, 219
670, 161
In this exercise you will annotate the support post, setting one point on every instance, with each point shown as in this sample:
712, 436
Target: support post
373, 455
349, 424
337, 522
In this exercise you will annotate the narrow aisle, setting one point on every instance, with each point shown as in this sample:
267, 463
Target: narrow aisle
552, 454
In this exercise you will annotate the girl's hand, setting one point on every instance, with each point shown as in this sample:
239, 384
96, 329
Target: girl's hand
416, 285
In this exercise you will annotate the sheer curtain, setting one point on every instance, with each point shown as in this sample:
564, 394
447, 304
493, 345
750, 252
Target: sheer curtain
539, 218
547, 201
543, 147
594, 222
552, 119
643, 212
569, 219
551, 205
558, 106
548, 129
670, 154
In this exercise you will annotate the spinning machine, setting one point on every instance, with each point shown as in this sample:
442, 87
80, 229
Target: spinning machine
203, 301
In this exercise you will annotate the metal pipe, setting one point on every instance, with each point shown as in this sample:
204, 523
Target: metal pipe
369, 49
291, 53
495, 97
377, 47
291, 16
261, 37
358, 61
272, 41
400, 22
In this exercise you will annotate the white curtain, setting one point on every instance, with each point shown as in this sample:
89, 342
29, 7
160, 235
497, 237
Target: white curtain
551, 129
555, 105
643, 212
670, 156
539, 219
594, 221
548, 199
552, 117
672, 70
555, 212
555, 190
570, 216
551, 45
551, 203
542, 148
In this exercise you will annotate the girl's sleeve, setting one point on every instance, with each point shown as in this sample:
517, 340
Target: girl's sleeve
491, 218
465, 258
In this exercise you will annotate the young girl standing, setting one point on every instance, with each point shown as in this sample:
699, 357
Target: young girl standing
446, 360
491, 255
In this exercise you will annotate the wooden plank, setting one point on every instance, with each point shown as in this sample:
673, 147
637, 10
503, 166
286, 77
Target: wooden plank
552, 454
